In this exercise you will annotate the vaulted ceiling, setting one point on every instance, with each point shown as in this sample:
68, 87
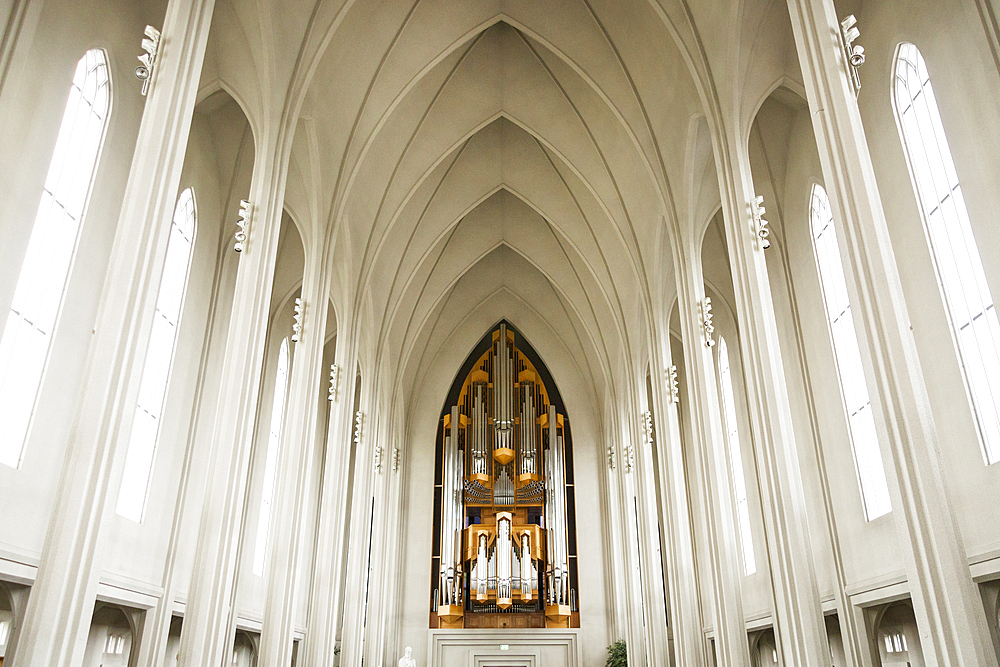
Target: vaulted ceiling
451, 154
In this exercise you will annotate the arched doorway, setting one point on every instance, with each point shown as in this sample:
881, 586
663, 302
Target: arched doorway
109, 643
244, 650
896, 637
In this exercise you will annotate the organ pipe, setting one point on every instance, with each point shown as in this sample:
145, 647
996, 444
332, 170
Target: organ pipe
503, 557
503, 389
503, 495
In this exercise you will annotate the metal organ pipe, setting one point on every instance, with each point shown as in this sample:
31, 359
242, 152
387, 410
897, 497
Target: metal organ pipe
503, 387
482, 572
479, 430
528, 451
525, 567
503, 559
555, 515
451, 502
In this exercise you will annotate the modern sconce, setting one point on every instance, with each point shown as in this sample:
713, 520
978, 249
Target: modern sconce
151, 46
244, 225
297, 320
760, 224
334, 381
855, 53
672, 384
359, 418
706, 321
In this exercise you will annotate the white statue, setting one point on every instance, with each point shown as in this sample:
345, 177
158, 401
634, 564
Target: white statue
407, 660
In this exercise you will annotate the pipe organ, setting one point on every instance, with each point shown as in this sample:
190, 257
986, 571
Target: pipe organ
503, 554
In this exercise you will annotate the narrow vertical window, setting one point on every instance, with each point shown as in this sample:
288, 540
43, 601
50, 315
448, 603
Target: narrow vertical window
850, 373
271, 463
736, 458
159, 356
956, 256
27, 334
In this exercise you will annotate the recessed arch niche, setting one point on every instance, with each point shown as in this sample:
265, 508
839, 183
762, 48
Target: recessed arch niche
504, 549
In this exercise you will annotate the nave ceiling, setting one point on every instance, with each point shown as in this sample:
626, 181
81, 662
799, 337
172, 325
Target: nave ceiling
555, 156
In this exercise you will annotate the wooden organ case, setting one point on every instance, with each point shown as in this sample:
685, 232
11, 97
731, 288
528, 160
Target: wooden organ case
505, 524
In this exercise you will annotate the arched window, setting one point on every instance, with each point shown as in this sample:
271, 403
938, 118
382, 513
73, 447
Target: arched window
949, 233
864, 438
27, 334
736, 458
159, 355
271, 463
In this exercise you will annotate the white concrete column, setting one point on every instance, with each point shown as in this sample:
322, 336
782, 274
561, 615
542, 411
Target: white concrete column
712, 461
64, 592
295, 468
617, 561
636, 630
385, 537
949, 612
647, 526
361, 534
391, 616
325, 608
209, 620
686, 618
799, 624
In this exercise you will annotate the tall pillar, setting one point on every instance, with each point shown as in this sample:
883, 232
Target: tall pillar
948, 608
297, 441
325, 608
361, 531
61, 603
799, 624
391, 614
617, 557
636, 631
686, 618
384, 565
647, 527
712, 461
209, 620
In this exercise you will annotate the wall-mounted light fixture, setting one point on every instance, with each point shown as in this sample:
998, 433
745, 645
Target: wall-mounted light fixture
611, 457
297, 319
334, 382
675, 395
395, 459
706, 321
359, 419
647, 428
244, 226
757, 210
854, 53
151, 46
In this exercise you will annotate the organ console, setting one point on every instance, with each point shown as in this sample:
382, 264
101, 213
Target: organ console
504, 558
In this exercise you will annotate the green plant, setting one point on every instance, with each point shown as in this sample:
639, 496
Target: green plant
617, 655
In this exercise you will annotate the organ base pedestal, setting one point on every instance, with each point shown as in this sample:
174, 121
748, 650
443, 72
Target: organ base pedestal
557, 616
451, 616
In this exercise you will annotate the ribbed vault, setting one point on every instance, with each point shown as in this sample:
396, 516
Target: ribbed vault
462, 155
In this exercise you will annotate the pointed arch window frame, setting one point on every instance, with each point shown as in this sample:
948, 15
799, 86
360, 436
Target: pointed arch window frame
279, 404
861, 432
730, 422
958, 266
158, 365
37, 303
